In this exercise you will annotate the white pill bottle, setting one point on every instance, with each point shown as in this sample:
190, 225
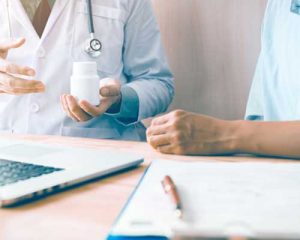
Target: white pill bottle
85, 82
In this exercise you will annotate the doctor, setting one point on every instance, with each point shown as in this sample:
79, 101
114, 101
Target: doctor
40, 40
272, 126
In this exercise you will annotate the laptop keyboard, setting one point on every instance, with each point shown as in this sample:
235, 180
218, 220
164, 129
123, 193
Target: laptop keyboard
12, 172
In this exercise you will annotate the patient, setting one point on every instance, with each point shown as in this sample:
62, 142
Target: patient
272, 125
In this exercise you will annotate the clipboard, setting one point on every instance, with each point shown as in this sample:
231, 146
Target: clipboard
263, 186
113, 236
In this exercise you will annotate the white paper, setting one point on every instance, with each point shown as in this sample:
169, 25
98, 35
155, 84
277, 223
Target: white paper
251, 199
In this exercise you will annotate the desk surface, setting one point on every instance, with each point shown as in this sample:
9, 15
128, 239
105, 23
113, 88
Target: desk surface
86, 212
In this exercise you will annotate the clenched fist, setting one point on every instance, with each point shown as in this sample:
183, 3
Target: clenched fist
185, 133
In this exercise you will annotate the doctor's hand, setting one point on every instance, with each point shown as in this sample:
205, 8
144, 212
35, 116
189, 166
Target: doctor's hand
185, 133
82, 111
9, 82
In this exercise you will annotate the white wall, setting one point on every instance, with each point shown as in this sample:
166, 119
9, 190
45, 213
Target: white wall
212, 46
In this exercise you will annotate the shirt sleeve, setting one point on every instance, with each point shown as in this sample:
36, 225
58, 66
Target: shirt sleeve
150, 87
254, 107
129, 109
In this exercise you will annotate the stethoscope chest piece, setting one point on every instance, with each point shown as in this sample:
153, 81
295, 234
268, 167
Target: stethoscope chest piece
295, 7
93, 47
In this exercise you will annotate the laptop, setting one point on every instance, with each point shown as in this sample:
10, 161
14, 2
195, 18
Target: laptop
30, 170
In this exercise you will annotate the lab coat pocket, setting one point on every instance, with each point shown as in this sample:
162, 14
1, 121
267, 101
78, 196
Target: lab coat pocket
109, 29
100, 133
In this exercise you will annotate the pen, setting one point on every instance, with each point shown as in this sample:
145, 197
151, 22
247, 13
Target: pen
170, 189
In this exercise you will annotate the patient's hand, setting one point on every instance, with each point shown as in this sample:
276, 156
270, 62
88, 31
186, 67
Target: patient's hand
181, 132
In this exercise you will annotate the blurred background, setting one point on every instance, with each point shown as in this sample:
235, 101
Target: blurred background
212, 47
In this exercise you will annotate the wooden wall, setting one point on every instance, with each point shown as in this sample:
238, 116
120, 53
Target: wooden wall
212, 46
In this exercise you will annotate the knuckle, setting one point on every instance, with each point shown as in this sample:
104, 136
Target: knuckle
177, 118
154, 122
178, 113
154, 142
175, 124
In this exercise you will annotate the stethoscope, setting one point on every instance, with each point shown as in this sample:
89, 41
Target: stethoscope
93, 46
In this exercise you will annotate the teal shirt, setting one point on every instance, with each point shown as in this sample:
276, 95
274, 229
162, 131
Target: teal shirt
275, 92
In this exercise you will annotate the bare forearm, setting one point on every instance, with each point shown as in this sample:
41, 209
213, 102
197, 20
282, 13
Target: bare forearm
280, 139
181, 132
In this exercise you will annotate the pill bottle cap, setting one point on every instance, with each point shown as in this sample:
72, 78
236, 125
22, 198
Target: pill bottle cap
84, 68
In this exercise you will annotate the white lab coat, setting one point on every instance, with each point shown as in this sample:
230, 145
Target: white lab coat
132, 52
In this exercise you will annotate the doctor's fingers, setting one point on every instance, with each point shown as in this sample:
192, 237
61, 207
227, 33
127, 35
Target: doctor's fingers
110, 91
11, 68
96, 111
76, 110
6, 45
14, 85
64, 103
18, 91
15, 82
110, 87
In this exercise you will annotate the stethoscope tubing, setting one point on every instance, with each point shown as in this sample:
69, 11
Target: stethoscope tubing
89, 49
90, 16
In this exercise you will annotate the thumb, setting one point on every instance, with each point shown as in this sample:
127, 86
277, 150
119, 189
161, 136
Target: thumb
7, 45
110, 91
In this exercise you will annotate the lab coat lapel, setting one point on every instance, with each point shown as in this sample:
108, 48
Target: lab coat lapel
55, 13
19, 13
21, 16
